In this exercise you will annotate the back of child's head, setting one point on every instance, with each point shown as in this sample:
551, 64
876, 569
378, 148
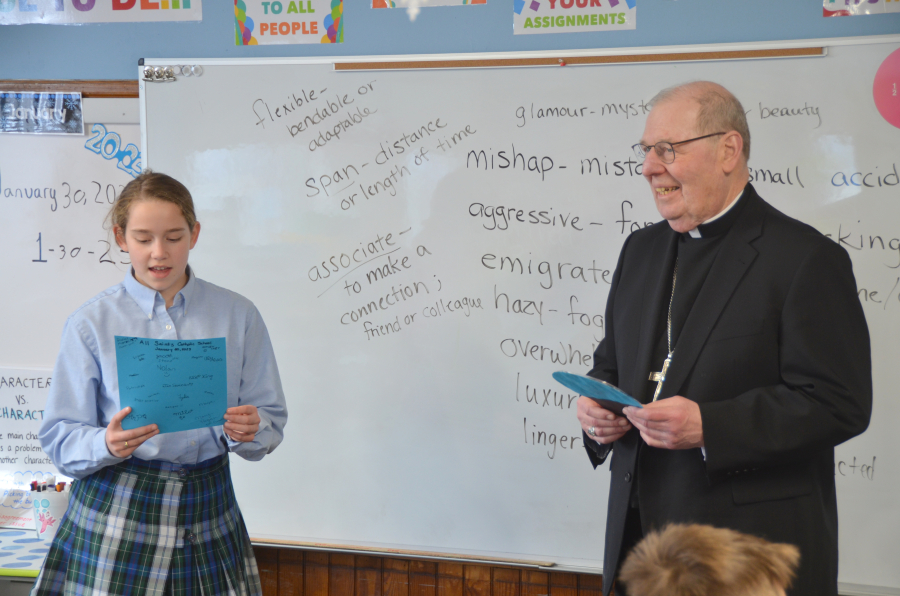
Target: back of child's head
698, 560
149, 186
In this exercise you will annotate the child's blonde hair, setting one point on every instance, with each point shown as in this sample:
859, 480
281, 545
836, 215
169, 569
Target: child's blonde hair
697, 560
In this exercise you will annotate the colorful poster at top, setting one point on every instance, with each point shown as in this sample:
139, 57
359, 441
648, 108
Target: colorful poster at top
573, 16
258, 22
849, 8
422, 3
413, 6
74, 12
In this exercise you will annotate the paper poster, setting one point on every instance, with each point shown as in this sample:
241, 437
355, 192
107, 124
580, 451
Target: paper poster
886, 88
258, 22
24, 553
41, 113
422, 3
175, 384
70, 12
573, 16
23, 395
849, 8
413, 6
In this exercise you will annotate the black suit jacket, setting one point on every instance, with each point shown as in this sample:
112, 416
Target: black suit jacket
776, 352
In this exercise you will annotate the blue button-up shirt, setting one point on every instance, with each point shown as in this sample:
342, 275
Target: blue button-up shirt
84, 392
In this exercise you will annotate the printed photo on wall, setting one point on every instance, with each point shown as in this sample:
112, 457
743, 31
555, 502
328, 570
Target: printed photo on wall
413, 6
36, 112
258, 22
422, 3
573, 16
852, 8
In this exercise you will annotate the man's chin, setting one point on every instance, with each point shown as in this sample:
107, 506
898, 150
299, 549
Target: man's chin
682, 224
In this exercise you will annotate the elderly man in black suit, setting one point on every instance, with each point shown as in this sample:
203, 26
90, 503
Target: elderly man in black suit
740, 330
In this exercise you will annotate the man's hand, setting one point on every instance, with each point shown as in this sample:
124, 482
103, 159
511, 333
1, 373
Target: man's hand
242, 423
607, 426
672, 423
122, 443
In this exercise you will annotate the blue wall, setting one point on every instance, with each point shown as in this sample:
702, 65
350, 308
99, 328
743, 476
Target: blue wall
111, 51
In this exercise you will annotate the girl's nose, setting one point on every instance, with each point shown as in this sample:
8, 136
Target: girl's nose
158, 249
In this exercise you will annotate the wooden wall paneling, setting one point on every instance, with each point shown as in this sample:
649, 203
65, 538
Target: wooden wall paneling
395, 574
290, 572
450, 579
294, 572
267, 561
477, 580
589, 585
315, 574
368, 576
536, 583
341, 574
422, 578
563, 584
506, 581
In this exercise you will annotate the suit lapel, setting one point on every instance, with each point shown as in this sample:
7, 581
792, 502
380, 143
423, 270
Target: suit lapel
730, 266
664, 250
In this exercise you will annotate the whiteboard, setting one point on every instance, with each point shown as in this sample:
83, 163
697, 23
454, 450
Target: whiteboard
55, 192
416, 329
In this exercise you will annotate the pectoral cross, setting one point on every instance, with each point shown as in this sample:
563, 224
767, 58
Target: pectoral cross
660, 377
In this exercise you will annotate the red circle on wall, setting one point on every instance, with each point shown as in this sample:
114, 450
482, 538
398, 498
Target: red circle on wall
886, 88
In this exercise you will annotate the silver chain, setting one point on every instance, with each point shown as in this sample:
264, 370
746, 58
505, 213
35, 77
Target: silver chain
669, 319
660, 377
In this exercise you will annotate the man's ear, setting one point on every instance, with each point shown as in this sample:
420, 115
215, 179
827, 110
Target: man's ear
731, 151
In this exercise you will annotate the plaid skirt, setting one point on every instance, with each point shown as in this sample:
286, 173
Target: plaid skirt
132, 526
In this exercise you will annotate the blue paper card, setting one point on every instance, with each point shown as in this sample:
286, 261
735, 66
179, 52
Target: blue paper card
609, 396
175, 384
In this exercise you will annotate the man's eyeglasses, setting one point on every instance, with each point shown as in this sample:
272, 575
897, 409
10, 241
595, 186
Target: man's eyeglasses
664, 150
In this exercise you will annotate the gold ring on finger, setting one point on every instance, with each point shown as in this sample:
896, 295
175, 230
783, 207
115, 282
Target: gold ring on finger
126, 444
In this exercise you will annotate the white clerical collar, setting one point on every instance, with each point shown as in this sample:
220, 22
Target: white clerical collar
695, 233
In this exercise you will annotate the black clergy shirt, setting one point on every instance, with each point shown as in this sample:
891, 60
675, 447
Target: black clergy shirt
695, 257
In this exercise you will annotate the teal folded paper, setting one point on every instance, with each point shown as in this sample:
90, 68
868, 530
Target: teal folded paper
175, 384
609, 396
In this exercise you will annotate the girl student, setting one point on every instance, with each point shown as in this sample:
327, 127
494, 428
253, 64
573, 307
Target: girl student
149, 513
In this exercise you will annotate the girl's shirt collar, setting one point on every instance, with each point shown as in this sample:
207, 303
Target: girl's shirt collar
146, 298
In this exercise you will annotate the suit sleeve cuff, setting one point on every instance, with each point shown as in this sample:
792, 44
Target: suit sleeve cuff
597, 453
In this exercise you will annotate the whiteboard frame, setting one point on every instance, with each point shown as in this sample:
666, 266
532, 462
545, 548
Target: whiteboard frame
848, 589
